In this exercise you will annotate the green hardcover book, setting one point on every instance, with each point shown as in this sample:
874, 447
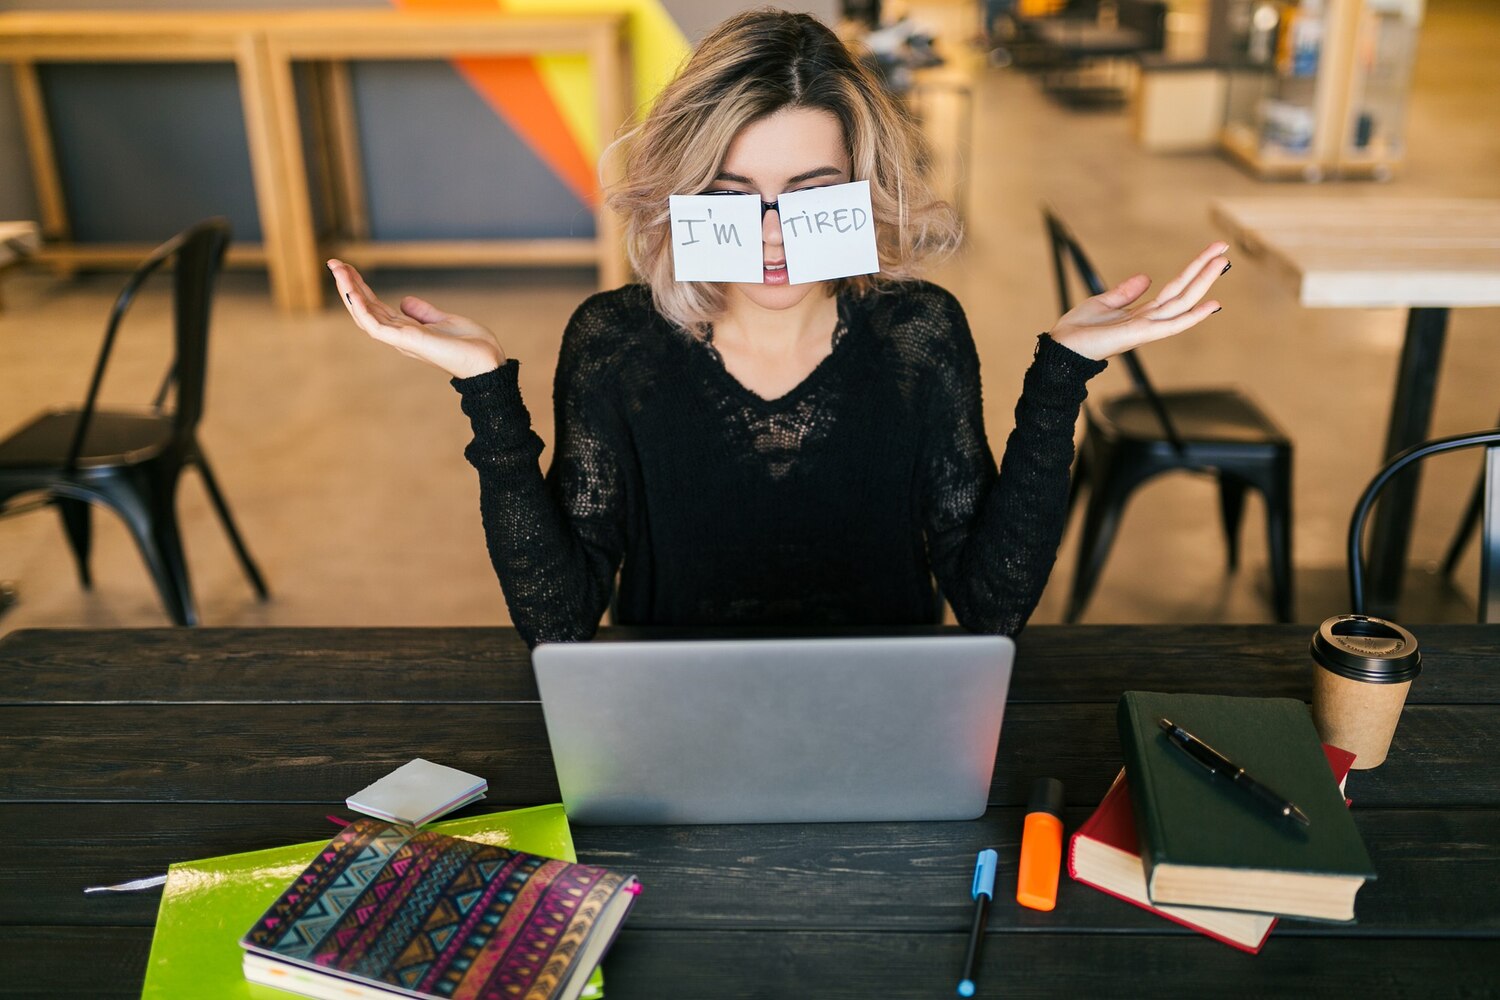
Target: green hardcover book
1207, 843
207, 905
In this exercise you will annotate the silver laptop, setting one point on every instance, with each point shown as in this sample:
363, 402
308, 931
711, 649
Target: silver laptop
775, 730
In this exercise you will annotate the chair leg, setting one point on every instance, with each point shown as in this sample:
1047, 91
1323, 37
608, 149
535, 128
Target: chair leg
222, 508
1467, 526
1231, 507
148, 505
79, 529
1100, 520
1279, 539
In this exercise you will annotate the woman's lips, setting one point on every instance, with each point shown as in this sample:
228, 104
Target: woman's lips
775, 273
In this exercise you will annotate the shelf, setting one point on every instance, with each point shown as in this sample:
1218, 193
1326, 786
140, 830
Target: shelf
1362, 57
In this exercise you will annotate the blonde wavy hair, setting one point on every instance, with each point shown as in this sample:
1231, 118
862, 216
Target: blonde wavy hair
751, 66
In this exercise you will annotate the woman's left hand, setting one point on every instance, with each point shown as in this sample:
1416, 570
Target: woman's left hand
1113, 323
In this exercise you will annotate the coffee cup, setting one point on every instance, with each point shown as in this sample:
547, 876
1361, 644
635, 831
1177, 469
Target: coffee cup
1365, 667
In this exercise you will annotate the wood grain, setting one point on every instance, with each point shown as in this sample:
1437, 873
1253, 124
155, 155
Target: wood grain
777, 876
320, 752
1055, 663
1373, 253
651, 964
128, 750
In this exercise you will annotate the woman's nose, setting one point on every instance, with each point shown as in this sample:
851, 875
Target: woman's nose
770, 227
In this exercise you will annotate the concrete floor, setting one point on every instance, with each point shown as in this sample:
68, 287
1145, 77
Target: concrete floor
342, 460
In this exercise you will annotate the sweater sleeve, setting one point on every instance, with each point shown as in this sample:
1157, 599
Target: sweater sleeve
555, 541
992, 536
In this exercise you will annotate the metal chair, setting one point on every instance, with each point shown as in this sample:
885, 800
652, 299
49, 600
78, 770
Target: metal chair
1468, 525
130, 461
1132, 438
1487, 502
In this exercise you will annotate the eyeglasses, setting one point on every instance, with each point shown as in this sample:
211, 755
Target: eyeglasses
765, 206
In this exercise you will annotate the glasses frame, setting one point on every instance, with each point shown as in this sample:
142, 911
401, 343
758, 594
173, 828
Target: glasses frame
766, 207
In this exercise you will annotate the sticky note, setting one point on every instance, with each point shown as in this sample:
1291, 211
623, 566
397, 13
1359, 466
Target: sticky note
716, 237
828, 232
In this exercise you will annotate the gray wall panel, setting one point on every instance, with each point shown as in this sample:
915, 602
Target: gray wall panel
438, 163
17, 197
145, 150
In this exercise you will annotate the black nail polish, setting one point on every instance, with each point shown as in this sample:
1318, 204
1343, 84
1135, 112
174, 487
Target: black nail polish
1227, 266
1218, 310
347, 299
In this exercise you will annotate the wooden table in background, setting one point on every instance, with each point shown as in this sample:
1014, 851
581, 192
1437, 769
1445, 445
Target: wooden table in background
263, 45
1424, 255
127, 750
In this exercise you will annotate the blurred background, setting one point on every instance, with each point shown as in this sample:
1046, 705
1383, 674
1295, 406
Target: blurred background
342, 461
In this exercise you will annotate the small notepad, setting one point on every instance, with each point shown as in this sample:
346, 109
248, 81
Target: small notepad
417, 792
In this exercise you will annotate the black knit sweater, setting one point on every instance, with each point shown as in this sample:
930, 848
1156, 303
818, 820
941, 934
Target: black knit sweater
837, 503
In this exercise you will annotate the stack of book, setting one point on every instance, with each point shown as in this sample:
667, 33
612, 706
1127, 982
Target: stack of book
1178, 841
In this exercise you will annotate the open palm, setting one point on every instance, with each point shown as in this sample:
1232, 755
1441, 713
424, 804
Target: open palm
1117, 321
419, 329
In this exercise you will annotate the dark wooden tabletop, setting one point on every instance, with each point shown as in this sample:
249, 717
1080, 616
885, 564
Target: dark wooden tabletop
126, 750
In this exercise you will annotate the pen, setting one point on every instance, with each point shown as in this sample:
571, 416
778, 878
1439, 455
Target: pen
983, 891
1217, 763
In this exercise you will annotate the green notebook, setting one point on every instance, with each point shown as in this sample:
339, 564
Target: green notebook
1207, 843
207, 906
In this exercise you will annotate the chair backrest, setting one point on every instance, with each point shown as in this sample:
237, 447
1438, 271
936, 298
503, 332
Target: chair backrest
197, 254
1067, 251
1488, 439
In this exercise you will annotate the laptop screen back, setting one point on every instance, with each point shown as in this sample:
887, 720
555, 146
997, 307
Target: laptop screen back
778, 730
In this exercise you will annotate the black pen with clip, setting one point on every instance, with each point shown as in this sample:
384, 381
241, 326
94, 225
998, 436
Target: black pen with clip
1217, 763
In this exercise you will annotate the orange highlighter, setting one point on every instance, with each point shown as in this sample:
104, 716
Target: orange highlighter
1041, 846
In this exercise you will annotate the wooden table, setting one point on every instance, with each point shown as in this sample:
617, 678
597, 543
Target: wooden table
127, 750
263, 46
1423, 255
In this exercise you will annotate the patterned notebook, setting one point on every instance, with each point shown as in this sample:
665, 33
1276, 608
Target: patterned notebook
386, 908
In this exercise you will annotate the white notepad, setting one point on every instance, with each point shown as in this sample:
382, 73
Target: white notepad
418, 792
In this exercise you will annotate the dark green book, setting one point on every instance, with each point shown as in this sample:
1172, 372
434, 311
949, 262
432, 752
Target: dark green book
1205, 842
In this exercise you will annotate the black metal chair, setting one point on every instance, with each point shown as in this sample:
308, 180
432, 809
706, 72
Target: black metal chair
1468, 525
1487, 502
130, 461
1132, 438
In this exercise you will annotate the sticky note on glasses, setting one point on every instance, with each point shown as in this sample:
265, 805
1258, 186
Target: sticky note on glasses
417, 792
716, 237
828, 232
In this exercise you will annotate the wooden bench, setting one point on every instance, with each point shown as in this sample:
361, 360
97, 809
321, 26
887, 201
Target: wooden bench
263, 46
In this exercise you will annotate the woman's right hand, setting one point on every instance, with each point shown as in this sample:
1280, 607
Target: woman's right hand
459, 346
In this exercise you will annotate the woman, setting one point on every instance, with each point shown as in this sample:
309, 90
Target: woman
769, 453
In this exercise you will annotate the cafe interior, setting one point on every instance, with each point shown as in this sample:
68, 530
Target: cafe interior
342, 462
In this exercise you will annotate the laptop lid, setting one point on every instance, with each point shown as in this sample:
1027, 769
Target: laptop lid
775, 730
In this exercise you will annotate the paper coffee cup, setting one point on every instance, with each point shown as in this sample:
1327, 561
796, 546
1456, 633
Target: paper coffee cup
1365, 667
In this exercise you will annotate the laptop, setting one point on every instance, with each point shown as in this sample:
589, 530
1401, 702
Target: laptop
775, 730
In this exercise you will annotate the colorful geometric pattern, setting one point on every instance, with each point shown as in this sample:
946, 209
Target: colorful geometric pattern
549, 99
437, 915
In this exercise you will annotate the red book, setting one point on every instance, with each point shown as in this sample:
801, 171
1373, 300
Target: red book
1104, 853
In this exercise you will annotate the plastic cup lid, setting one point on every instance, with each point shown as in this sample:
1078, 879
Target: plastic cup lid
1367, 649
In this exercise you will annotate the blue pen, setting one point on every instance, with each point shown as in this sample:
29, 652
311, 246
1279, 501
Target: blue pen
983, 892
